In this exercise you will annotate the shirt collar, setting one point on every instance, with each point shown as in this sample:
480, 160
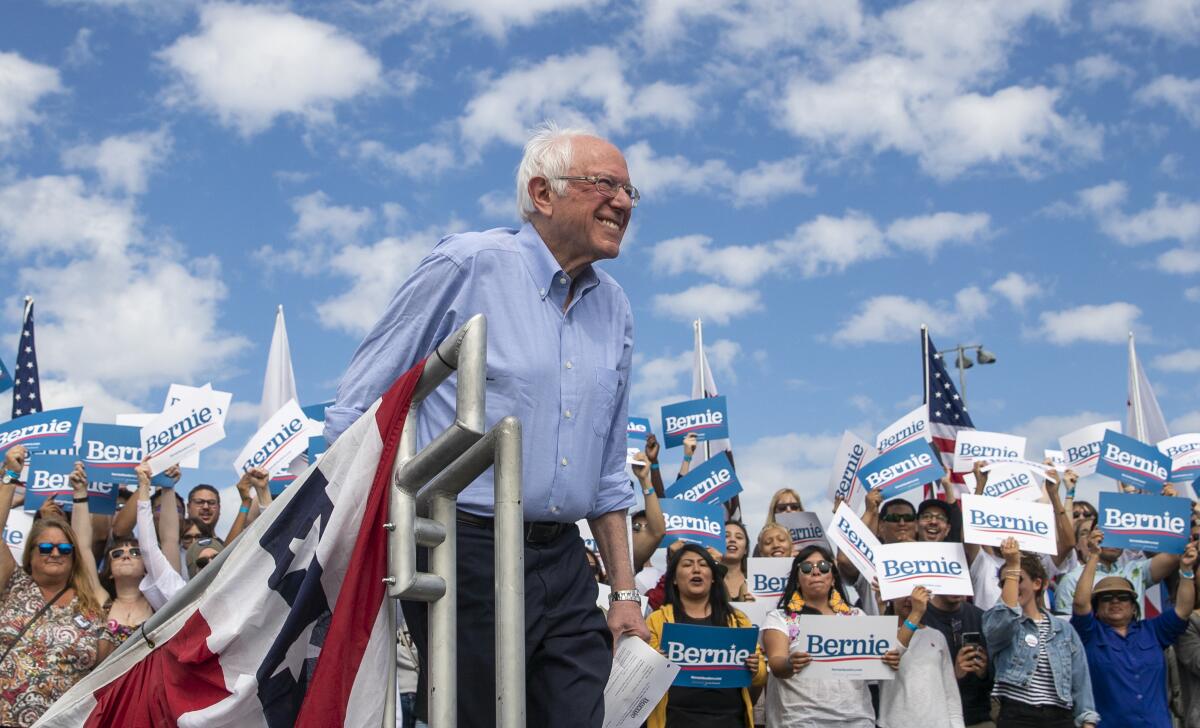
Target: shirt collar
547, 274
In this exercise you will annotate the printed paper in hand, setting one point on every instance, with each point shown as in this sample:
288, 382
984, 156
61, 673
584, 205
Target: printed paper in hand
852, 453
846, 648
852, 537
940, 567
1058, 461
184, 429
909, 428
973, 445
702, 523
712, 481
1134, 462
805, 529
706, 418
1081, 448
1146, 522
766, 578
1184, 451
277, 443
16, 530
41, 431
1011, 481
902, 468
709, 657
988, 521
638, 680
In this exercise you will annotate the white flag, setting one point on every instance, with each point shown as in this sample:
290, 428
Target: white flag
704, 386
279, 383
1144, 420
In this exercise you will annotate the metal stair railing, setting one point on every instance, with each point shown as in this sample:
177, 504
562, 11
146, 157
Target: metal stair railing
428, 482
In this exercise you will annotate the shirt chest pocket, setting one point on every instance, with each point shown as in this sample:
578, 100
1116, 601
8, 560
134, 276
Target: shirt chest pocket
602, 399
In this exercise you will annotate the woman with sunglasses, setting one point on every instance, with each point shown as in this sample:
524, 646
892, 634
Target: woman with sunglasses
1042, 676
785, 500
1124, 652
813, 587
122, 577
696, 595
51, 623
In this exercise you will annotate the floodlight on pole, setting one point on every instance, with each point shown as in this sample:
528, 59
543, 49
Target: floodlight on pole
963, 363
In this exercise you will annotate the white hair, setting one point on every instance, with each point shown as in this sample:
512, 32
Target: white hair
548, 155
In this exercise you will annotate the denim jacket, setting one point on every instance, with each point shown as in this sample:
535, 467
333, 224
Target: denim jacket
1006, 628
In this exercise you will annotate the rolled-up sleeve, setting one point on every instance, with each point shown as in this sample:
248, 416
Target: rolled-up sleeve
615, 492
419, 316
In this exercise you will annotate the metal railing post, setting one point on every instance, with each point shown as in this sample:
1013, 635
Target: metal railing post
510, 577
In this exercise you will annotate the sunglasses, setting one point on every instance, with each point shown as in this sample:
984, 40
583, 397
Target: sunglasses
64, 549
787, 507
1123, 597
806, 567
899, 517
133, 551
202, 562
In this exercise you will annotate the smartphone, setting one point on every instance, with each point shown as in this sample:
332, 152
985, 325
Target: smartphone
972, 639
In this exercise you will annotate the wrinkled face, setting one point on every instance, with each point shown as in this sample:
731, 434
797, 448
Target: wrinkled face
775, 542
693, 578
736, 543
932, 525
55, 566
817, 582
593, 224
125, 563
899, 524
204, 506
1115, 608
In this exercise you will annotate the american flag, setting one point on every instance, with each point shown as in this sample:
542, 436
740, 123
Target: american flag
947, 413
27, 390
292, 627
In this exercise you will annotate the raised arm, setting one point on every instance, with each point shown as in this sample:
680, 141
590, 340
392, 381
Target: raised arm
1082, 603
14, 463
870, 517
1185, 595
689, 449
163, 578
168, 524
81, 524
647, 540
1064, 524
249, 481
1011, 553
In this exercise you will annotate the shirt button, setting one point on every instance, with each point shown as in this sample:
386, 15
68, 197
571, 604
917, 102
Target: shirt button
567, 414
541, 291
563, 280
564, 462
554, 509
569, 364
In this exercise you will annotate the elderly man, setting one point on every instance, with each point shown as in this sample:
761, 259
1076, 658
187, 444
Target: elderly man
560, 342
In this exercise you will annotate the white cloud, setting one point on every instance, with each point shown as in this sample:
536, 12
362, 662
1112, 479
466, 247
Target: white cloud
1169, 219
427, 159
1018, 289
23, 84
582, 89
124, 162
1106, 324
1042, 432
767, 180
658, 377
794, 460
1178, 20
1189, 422
1099, 68
1187, 360
737, 264
321, 229
1192, 294
1181, 94
892, 318
249, 65
499, 205
1180, 261
375, 272
712, 302
928, 233
828, 244
80, 52
58, 215
754, 26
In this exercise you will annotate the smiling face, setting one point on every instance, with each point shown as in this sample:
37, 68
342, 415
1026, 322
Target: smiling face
898, 524
774, 541
736, 543
933, 525
205, 506
693, 578
53, 567
582, 226
1116, 609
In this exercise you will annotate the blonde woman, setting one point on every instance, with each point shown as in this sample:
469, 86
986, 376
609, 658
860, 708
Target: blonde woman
785, 500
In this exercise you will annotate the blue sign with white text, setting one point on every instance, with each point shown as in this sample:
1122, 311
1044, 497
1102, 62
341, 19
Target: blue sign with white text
1145, 522
316, 411
702, 523
1134, 462
638, 428
50, 477
706, 418
42, 431
111, 452
712, 481
709, 657
902, 468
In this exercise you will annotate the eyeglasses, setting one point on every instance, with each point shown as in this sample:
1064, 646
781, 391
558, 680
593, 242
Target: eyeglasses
787, 507
133, 551
899, 517
1123, 597
932, 518
607, 187
64, 549
806, 567
190, 538
204, 502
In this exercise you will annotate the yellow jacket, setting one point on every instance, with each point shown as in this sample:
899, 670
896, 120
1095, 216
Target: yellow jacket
665, 614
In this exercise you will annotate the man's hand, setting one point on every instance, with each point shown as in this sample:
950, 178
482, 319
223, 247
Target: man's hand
981, 476
964, 664
689, 444
14, 458
981, 661
253, 478
1095, 538
625, 617
79, 480
652, 448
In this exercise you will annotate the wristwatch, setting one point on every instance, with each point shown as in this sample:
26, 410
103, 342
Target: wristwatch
625, 595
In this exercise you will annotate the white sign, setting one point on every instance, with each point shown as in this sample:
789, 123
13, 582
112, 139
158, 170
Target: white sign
909, 428
1012, 481
939, 567
1081, 448
852, 537
1179, 444
280, 440
1040, 468
766, 578
852, 453
1058, 461
141, 419
973, 445
184, 429
638, 680
221, 400
846, 648
988, 521
16, 530
805, 529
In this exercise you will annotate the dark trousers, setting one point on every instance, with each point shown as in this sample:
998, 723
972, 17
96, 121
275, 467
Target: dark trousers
568, 647
1015, 714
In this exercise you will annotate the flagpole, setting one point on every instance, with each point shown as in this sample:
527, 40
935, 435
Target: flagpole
925, 360
698, 326
1135, 394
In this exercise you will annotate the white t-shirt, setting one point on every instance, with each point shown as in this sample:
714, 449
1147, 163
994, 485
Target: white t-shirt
985, 579
797, 703
924, 692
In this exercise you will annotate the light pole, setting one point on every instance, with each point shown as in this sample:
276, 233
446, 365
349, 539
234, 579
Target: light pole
982, 355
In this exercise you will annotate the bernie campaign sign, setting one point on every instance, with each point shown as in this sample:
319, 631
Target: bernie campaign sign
901, 468
1012, 482
1184, 451
16, 530
1146, 522
710, 657
702, 523
111, 452
713, 481
1130, 461
706, 418
277, 443
50, 477
939, 567
805, 529
1081, 448
854, 539
910, 428
846, 648
183, 429
636, 432
852, 454
766, 578
972, 445
989, 521
42, 431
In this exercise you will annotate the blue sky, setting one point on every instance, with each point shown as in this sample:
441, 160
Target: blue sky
818, 180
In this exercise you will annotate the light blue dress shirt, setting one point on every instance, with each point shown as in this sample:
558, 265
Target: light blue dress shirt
564, 374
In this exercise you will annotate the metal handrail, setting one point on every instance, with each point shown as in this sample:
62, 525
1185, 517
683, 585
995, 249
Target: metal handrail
430, 481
